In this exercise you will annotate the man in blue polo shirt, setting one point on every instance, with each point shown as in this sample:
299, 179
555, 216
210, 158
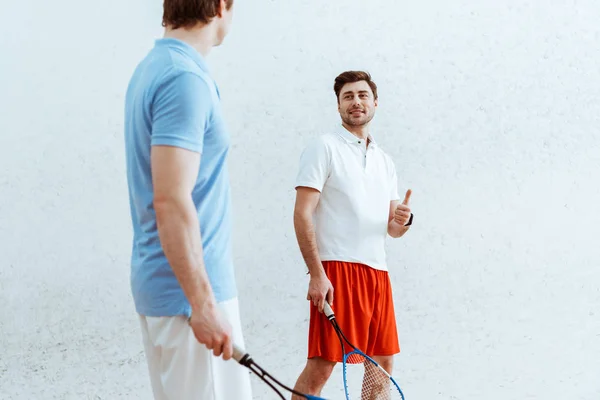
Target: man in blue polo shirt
182, 274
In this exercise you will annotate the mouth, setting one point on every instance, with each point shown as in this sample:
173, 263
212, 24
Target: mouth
356, 112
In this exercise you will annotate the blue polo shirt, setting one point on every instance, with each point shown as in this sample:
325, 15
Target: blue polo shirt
172, 100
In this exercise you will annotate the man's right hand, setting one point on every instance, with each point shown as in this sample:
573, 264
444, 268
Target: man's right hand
319, 290
212, 330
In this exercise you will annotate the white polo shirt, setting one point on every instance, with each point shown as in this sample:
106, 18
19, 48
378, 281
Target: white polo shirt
357, 184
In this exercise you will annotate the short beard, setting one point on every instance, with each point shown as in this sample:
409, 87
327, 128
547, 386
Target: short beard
349, 121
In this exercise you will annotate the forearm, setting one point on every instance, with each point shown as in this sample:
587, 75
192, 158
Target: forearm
396, 230
307, 241
179, 234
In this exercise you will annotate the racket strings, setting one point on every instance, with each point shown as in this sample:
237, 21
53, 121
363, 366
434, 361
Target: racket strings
377, 384
368, 382
371, 383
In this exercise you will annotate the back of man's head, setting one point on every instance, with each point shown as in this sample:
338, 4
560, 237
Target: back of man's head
189, 13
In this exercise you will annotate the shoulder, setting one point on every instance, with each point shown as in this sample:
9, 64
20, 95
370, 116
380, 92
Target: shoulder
186, 80
321, 146
163, 68
318, 149
165, 71
331, 139
322, 142
176, 88
175, 62
386, 156
387, 159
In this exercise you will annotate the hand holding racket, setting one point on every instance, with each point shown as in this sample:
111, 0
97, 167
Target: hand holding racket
244, 359
377, 384
212, 330
320, 290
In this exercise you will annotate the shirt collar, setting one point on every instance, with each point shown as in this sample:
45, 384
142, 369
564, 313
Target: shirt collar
350, 138
185, 48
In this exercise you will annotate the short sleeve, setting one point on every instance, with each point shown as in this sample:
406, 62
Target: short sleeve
314, 166
393, 183
181, 112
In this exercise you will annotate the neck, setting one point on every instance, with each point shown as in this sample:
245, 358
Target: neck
200, 37
361, 132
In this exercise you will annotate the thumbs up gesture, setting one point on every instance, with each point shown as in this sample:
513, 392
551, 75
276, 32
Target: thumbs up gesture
402, 213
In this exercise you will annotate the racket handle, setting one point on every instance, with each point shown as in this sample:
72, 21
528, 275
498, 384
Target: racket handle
238, 353
327, 309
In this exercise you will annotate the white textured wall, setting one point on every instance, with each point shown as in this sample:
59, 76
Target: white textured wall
489, 109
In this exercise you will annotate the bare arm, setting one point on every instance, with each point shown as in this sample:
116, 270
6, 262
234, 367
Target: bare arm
319, 288
174, 172
306, 203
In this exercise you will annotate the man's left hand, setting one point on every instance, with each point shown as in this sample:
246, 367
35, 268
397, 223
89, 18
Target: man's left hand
402, 213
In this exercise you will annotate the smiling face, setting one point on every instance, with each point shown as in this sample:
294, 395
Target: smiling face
357, 103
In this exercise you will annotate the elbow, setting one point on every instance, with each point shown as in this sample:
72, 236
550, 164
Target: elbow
301, 217
297, 217
161, 203
166, 205
162, 209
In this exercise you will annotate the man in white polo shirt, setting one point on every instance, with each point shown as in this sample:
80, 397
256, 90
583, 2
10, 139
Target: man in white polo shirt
347, 202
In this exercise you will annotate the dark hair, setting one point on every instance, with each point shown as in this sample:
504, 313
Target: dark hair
351, 77
187, 13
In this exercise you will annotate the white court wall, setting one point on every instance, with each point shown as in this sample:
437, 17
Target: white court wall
489, 110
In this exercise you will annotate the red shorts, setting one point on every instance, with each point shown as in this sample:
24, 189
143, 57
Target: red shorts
364, 310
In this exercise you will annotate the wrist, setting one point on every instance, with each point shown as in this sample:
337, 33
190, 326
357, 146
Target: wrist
317, 272
203, 300
203, 306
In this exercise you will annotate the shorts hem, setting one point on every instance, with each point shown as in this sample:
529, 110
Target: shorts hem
386, 353
325, 357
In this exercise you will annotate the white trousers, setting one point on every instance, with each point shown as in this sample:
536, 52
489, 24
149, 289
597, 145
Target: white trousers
183, 369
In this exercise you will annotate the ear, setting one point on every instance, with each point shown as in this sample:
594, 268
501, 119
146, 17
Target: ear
376, 102
222, 7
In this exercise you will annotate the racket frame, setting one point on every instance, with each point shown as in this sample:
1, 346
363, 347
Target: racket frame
328, 311
246, 360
